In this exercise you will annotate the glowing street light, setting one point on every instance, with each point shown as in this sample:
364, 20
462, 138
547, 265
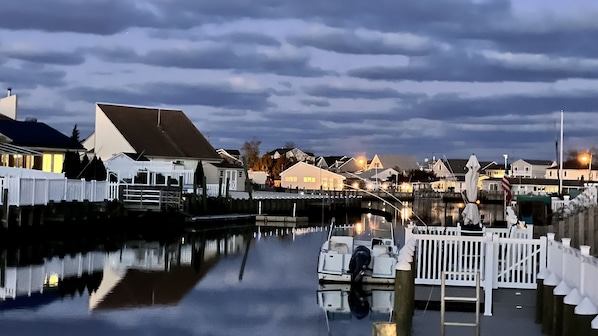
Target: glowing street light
587, 157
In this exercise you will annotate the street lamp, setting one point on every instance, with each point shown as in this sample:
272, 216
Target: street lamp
587, 157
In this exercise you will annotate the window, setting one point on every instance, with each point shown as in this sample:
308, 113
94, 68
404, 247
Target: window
290, 178
309, 179
240, 174
550, 173
221, 173
515, 168
526, 168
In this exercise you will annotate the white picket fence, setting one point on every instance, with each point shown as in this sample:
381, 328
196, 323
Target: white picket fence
505, 258
39, 191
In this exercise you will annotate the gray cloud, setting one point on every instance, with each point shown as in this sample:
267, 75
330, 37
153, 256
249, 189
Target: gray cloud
364, 43
329, 91
459, 66
315, 102
175, 94
101, 17
30, 76
215, 57
236, 37
46, 56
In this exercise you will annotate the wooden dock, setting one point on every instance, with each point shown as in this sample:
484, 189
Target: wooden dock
280, 221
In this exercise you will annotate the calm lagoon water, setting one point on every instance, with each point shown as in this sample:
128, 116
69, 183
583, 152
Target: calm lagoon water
198, 285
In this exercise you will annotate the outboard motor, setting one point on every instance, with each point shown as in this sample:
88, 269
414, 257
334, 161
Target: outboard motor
360, 260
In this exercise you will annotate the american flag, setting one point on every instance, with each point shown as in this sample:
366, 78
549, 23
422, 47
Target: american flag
506, 186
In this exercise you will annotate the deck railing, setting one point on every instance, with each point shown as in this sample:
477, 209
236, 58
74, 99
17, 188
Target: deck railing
38, 191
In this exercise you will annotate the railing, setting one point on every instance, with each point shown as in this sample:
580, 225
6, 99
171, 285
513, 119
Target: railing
574, 271
40, 191
142, 197
512, 232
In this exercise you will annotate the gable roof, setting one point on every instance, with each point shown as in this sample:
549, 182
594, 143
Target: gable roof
539, 162
36, 134
136, 156
404, 162
175, 136
459, 166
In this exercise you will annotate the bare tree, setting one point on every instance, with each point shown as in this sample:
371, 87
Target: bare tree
251, 152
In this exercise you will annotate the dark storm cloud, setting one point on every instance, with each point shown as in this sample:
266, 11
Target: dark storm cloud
101, 17
315, 102
453, 107
215, 58
348, 42
46, 56
176, 94
30, 75
461, 66
329, 91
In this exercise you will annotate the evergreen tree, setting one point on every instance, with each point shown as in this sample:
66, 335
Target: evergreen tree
102, 173
71, 164
83, 167
75, 135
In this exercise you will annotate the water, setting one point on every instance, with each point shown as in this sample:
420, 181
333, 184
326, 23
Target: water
206, 283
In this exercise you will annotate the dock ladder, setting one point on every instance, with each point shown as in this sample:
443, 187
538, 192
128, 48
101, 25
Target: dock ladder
444, 299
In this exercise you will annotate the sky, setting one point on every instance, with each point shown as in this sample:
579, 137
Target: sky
442, 78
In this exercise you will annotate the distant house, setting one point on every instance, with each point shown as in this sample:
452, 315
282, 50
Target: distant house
378, 178
532, 186
400, 163
309, 177
31, 144
338, 164
531, 168
230, 155
573, 170
160, 135
453, 168
494, 170
293, 153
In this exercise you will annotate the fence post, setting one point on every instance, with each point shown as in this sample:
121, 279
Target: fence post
404, 290
33, 192
559, 294
82, 189
47, 193
586, 311
541, 276
550, 284
490, 273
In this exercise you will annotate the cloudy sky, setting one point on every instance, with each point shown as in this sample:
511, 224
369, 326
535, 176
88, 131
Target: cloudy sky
336, 77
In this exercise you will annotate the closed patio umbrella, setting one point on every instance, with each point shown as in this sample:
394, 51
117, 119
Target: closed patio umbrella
471, 213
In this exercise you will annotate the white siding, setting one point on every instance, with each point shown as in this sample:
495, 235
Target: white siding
108, 140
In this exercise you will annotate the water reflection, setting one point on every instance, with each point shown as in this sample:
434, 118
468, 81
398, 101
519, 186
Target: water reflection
342, 302
139, 274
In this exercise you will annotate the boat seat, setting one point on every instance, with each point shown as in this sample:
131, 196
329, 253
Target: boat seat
378, 250
341, 248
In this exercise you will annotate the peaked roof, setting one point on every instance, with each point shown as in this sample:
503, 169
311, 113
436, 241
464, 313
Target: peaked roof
36, 134
404, 162
459, 166
136, 156
174, 136
539, 162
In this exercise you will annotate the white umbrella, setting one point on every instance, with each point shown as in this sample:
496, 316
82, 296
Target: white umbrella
471, 213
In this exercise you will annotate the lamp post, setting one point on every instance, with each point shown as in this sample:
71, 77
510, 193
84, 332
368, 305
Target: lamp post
587, 157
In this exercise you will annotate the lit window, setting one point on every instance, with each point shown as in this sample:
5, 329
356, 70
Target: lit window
290, 178
58, 159
309, 179
47, 163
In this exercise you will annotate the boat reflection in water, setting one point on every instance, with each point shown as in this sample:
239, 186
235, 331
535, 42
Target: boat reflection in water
139, 274
345, 302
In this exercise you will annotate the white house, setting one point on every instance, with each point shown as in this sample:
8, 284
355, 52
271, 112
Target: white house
531, 168
309, 177
573, 170
292, 153
165, 137
402, 163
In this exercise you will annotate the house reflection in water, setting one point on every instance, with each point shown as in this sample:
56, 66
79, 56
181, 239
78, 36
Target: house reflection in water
140, 274
147, 274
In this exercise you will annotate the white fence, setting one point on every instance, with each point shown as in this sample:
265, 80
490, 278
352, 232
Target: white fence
505, 258
574, 273
39, 191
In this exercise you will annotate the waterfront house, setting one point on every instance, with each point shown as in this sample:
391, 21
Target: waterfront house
400, 163
379, 178
31, 144
292, 153
230, 155
532, 186
161, 135
493, 170
531, 168
310, 177
338, 164
573, 170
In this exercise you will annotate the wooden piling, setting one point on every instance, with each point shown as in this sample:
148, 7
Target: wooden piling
548, 309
